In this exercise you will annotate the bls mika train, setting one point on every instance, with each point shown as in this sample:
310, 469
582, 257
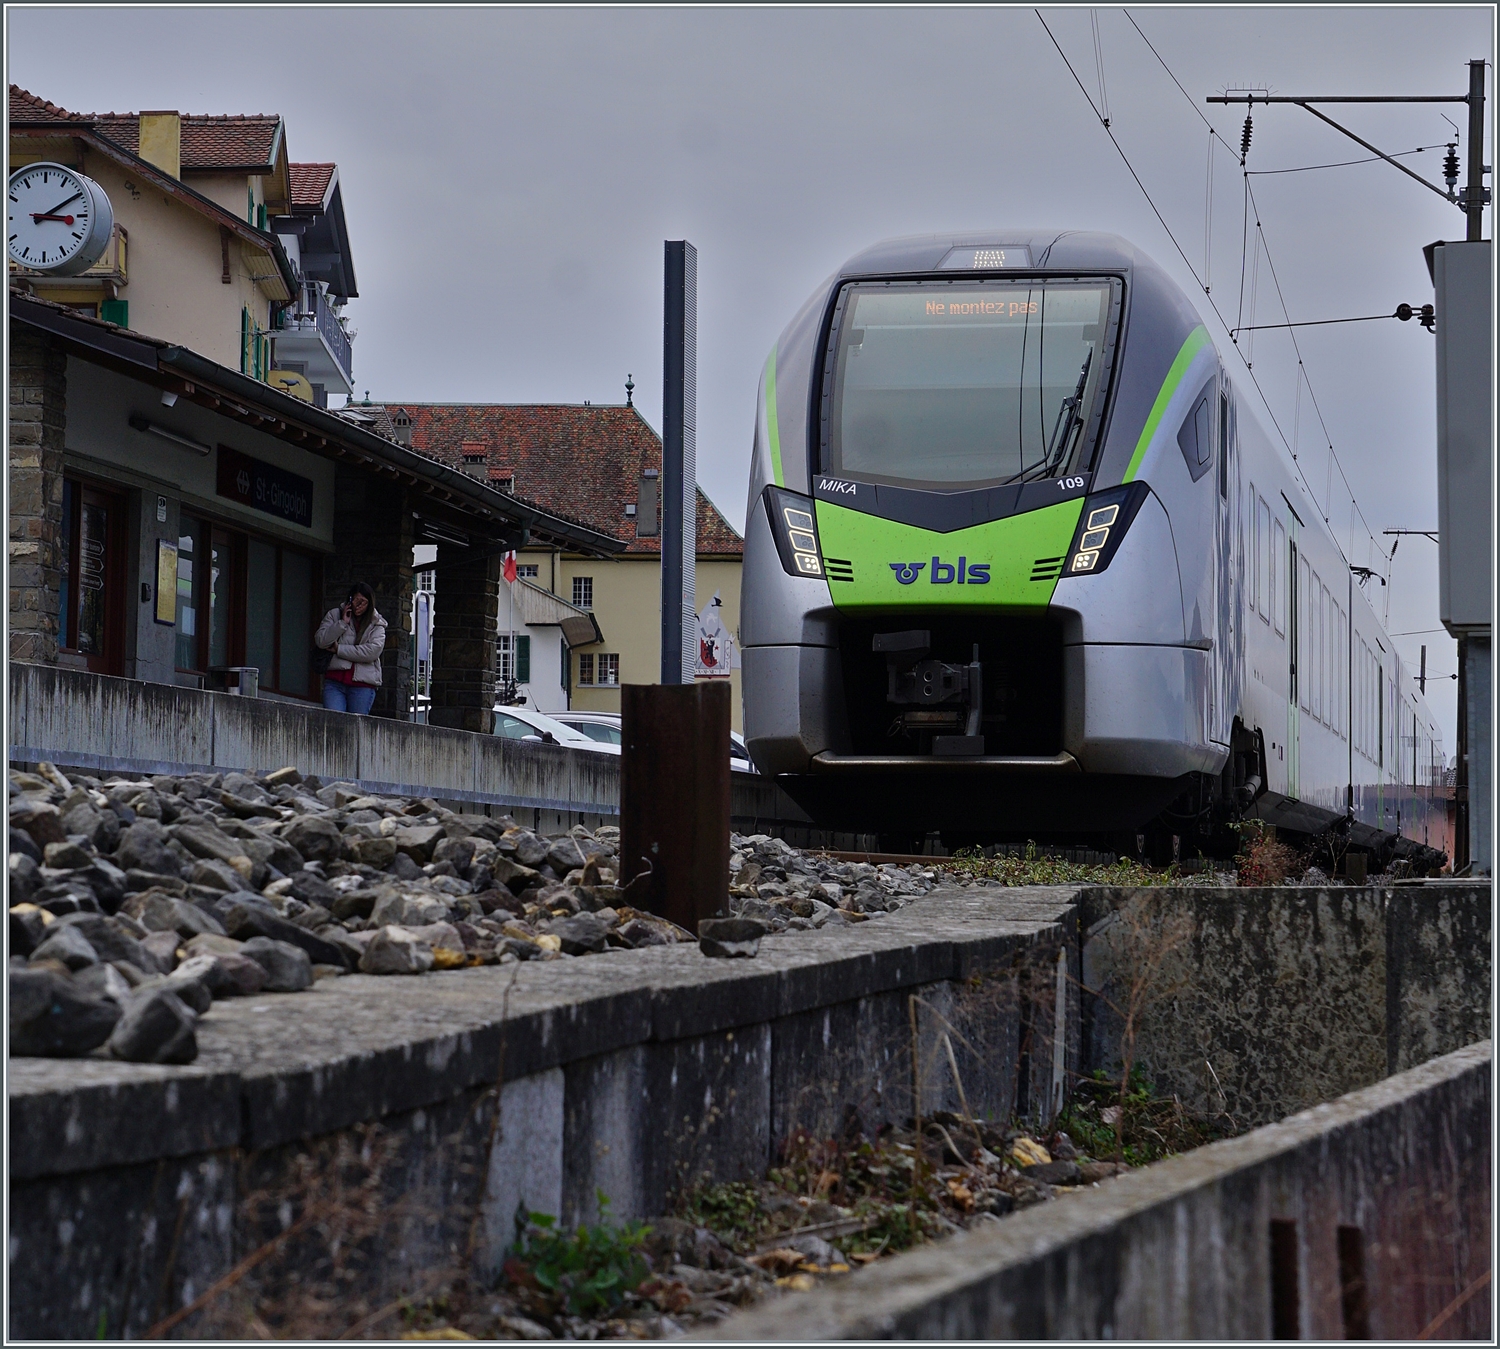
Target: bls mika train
1019, 561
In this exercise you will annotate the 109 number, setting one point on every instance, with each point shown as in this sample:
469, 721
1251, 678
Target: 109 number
1068, 484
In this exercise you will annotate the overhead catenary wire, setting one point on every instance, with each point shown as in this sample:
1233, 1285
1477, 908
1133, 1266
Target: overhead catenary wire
1341, 164
1099, 65
1261, 243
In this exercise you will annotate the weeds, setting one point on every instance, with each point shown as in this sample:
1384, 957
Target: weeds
731, 1210
1143, 1126
588, 1273
1033, 868
1263, 858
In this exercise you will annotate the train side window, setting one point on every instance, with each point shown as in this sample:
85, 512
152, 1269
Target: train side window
1265, 560
1278, 587
1255, 596
1195, 438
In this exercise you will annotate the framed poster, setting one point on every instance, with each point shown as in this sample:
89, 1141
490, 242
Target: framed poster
166, 582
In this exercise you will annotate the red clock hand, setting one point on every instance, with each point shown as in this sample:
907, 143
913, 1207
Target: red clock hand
66, 219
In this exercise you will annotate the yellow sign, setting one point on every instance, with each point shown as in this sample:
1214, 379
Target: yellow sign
166, 582
289, 381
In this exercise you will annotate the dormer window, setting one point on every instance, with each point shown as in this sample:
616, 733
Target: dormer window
402, 423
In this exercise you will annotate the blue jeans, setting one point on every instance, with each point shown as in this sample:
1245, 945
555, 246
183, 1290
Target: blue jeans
356, 698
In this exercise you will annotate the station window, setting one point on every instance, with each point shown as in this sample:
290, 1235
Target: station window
608, 668
528, 570
585, 667
583, 592
243, 600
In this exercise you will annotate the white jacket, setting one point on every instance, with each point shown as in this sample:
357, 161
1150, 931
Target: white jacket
350, 652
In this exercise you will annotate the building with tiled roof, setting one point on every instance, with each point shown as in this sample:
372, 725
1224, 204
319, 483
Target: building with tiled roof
600, 465
242, 265
585, 460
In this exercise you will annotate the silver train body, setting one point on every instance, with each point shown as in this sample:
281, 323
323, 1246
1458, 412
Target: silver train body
1203, 654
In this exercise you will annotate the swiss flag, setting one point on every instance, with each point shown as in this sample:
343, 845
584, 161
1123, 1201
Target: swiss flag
510, 567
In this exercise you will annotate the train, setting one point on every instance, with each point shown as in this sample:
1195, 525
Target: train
1021, 562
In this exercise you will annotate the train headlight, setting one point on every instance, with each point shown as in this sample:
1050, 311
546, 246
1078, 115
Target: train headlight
1101, 525
795, 529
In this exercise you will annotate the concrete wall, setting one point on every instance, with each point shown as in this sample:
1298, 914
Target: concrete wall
134, 1187
1381, 1197
97, 723
1259, 1003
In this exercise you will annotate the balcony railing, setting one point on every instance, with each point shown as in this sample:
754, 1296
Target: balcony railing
315, 314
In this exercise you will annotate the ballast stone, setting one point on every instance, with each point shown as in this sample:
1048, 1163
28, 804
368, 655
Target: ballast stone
730, 938
393, 950
288, 968
50, 1017
158, 1027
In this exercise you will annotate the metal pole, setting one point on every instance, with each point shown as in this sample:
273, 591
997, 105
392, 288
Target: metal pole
1422, 678
678, 443
1474, 205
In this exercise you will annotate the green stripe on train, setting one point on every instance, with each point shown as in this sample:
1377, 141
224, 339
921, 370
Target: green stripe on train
898, 566
773, 428
1190, 348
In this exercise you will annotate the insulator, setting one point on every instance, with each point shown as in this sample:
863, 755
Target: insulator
1245, 139
1450, 166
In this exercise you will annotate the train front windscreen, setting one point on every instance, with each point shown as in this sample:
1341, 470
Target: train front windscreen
955, 385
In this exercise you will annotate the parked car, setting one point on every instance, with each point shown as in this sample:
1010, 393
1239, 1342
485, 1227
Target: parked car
526, 723
605, 728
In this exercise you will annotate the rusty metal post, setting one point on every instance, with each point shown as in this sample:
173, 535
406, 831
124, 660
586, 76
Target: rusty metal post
674, 798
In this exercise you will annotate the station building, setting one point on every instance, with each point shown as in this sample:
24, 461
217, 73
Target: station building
183, 505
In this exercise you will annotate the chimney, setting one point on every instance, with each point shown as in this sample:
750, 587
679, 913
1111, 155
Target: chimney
476, 459
648, 495
161, 141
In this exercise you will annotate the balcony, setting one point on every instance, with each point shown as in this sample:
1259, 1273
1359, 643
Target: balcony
104, 278
314, 341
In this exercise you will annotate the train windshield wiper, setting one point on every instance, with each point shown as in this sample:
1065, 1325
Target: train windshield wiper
1062, 431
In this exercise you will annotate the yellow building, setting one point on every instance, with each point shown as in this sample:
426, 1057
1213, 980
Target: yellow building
220, 244
598, 465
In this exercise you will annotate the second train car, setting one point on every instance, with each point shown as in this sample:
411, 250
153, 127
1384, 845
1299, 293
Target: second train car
1020, 561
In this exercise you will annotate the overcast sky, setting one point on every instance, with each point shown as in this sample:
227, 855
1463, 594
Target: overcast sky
509, 176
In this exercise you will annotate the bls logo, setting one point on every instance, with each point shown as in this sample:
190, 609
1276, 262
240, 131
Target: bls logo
944, 573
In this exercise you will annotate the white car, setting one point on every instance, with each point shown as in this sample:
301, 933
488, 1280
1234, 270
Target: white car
604, 727
526, 723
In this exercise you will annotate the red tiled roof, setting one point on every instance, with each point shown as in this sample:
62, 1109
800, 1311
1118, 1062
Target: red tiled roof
310, 183
27, 107
233, 141
581, 462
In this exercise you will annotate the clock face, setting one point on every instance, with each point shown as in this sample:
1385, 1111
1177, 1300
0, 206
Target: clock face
57, 220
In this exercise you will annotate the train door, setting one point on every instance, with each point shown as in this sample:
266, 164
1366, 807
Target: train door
1293, 646
92, 599
1226, 588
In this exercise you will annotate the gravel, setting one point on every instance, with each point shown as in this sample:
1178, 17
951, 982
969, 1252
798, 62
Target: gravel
286, 880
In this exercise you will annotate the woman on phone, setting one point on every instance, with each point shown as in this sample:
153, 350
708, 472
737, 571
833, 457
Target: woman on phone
354, 635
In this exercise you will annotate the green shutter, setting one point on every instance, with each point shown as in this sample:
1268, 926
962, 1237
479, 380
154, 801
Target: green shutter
260, 217
115, 311
250, 204
523, 660
244, 341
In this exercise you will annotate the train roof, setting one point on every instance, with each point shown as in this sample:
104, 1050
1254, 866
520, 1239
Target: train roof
1049, 250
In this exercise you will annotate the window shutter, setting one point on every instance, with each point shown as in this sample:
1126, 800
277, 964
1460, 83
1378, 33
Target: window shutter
244, 341
116, 311
523, 660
